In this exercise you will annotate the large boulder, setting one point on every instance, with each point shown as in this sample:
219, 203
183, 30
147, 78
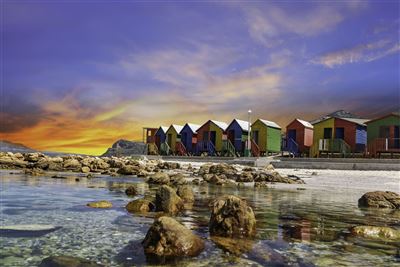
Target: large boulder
375, 232
215, 179
169, 239
380, 199
168, 201
126, 148
140, 205
223, 168
185, 192
231, 216
159, 178
177, 179
67, 261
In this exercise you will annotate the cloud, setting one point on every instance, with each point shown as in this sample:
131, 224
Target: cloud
360, 53
268, 25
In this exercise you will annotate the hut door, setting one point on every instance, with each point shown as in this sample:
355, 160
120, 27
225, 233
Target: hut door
292, 134
169, 140
339, 133
213, 137
396, 137
327, 133
158, 141
255, 137
231, 136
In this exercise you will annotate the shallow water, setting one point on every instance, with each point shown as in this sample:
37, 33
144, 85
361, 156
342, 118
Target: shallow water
295, 227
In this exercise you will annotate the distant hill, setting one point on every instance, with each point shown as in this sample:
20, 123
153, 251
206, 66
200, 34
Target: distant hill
126, 148
8, 146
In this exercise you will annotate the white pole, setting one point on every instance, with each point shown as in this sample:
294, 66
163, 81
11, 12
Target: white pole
248, 133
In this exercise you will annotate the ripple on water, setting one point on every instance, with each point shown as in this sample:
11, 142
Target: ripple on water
299, 228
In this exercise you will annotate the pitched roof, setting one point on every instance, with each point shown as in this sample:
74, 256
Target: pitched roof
178, 128
341, 114
305, 123
270, 124
396, 114
357, 121
192, 126
244, 125
220, 124
163, 128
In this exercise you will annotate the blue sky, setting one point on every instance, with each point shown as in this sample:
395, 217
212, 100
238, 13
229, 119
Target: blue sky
95, 71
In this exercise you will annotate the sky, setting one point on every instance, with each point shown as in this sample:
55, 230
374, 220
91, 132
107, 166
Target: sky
79, 75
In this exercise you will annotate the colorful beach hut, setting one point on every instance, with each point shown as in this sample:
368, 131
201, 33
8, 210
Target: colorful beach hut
339, 132
172, 138
299, 137
265, 137
383, 134
160, 136
210, 136
189, 138
237, 132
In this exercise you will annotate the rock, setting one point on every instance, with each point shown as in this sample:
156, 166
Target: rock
10, 162
223, 168
204, 169
27, 230
233, 245
231, 216
126, 148
270, 167
128, 170
102, 204
375, 232
380, 199
140, 205
131, 191
159, 178
185, 192
169, 239
67, 261
34, 172
260, 185
55, 166
245, 177
177, 179
196, 181
168, 201
85, 169
215, 179
169, 165
72, 164
32, 157
56, 159
42, 163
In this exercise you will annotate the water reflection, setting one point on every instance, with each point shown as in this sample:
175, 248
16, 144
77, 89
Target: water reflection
299, 228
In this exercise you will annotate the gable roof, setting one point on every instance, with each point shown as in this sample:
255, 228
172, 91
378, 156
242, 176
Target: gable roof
193, 127
305, 123
270, 124
178, 128
356, 121
244, 125
220, 124
396, 114
340, 114
163, 128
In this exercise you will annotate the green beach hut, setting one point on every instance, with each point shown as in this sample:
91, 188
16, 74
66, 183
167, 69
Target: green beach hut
266, 137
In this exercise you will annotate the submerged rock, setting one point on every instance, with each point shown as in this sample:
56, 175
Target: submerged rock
102, 204
380, 199
233, 245
168, 201
131, 191
140, 205
231, 216
375, 232
27, 230
167, 238
67, 261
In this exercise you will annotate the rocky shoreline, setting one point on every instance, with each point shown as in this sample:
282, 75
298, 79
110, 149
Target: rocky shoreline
232, 222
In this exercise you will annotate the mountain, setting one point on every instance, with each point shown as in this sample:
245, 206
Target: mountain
126, 148
8, 146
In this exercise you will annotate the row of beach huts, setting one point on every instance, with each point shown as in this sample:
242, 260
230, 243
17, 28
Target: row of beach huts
337, 134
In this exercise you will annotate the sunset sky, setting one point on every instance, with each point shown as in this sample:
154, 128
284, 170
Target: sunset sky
78, 75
